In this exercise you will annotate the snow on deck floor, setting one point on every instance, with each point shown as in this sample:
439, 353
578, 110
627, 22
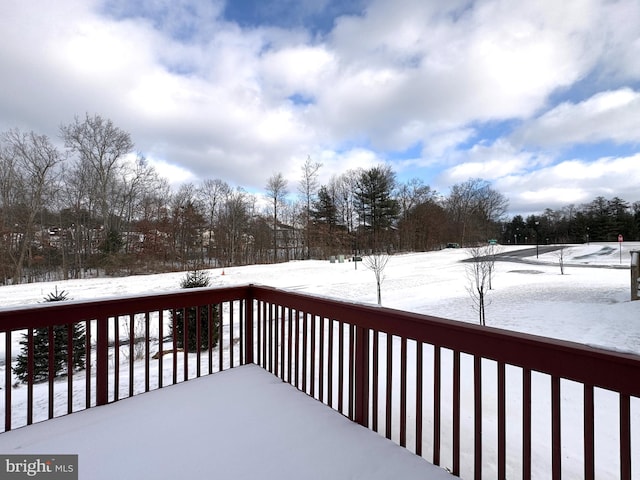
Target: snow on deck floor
242, 423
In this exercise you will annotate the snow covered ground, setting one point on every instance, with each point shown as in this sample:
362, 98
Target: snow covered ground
589, 303
586, 305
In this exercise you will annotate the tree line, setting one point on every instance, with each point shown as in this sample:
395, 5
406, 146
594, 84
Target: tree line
601, 220
96, 207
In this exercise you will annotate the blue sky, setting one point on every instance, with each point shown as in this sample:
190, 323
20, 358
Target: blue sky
542, 100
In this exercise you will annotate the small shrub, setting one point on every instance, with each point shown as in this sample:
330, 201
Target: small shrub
60, 348
195, 279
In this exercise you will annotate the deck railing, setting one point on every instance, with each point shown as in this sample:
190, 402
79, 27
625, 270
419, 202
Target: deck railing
129, 348
482, 402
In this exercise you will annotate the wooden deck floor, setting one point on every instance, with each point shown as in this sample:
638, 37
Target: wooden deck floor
242, 423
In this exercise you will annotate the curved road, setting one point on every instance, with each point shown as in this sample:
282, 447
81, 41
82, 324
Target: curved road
523, 256
527, 252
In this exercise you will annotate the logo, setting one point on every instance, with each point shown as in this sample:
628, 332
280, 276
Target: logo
51, 467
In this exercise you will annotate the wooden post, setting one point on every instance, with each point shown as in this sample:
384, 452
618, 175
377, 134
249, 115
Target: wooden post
361, 376
635, 274
102, 361
248, 327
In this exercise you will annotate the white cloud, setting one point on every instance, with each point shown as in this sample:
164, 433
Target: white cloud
175, 174
298, 69
215, 104
440, 144
490, 61
616, 37
490, 162
336, 162
533, 183
572, 182
488, 170
611, 115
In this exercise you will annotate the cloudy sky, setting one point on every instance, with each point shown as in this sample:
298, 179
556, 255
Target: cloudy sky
541, 98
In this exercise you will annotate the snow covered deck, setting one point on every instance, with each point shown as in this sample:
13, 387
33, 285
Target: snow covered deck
242, 423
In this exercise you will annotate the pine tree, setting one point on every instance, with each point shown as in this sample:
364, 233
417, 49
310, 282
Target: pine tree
324, 209
194, 279
377, 208
60, 348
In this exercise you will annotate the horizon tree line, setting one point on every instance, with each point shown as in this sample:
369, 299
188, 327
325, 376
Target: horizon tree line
99, 208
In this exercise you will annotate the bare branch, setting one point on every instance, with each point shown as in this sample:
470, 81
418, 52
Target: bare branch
377, 263
479, 271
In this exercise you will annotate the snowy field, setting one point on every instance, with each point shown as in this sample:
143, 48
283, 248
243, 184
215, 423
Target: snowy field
585, 305
589, 303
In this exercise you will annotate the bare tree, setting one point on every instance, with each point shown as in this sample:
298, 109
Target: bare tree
307, 189
276, 189
414, 199
233, 224
34, 162
139, 179
134, 324
413, 193
474, 204
8, 212
492, 250
559, 254
478, 270
460, 206
376, 263
211, 195
291, 230
187, 225
344, 187
102, 147
75, 218
153, 222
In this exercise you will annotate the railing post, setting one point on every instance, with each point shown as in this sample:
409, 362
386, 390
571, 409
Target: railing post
7, 382
625, 437
361, 377
248, 318
102, 361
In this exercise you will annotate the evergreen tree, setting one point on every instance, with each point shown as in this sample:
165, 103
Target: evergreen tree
194, 279
324, 208
60, 348
112, 242
377, 209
